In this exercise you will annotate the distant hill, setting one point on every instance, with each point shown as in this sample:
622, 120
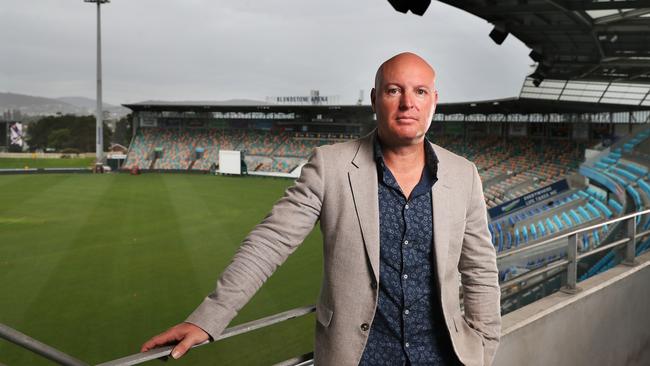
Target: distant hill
244, 102
35, 106
83, 102
31, 105
90, 105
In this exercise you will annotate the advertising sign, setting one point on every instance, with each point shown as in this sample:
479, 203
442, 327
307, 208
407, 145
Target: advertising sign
529, 199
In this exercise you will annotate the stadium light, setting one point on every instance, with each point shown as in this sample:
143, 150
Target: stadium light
498, 34
417, 7
99, 130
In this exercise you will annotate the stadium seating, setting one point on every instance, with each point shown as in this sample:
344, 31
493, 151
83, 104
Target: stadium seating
263, 150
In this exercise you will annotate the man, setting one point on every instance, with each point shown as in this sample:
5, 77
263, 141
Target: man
400, 218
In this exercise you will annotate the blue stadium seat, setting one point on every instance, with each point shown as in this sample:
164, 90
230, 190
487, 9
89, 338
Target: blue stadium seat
601, 165
635, 168
644, 186
533, 231
550, 226
575, 217
617, 206
557, 222
593, 210
605, 209
584, 213
625, 173
501, 242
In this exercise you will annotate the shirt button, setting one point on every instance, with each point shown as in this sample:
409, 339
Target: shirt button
406, 207
407, 345
373, 285
406, 311
405, 276
365, 327
406, 242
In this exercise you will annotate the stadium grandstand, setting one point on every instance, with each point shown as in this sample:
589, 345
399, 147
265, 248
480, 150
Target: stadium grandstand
565, 168
272, 138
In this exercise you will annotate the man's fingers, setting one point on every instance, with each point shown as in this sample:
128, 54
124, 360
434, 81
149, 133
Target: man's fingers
161, 339
185, 333
182, 347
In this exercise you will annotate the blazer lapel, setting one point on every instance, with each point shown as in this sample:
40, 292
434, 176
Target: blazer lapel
441, 213
363, 182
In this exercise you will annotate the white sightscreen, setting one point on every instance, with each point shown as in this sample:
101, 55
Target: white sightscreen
229, 162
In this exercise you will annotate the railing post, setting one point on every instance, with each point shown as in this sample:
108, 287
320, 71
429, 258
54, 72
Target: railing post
630, 247
571, 286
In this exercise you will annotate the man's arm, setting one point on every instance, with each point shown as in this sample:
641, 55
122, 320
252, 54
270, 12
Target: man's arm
265, 248
479, 273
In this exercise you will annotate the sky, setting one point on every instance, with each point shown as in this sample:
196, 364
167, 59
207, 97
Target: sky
200, 50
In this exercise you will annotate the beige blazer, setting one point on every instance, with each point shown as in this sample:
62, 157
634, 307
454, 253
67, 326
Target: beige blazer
338, 186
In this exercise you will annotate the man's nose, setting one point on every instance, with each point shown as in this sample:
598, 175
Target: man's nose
406, 101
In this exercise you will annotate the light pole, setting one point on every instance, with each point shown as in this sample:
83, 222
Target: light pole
99, 130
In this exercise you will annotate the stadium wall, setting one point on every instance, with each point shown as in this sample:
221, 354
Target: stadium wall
607, 323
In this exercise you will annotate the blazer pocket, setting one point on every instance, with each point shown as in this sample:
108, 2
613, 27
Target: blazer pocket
463, 328
324, 315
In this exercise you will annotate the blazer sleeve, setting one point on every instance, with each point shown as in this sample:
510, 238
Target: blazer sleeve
479, 273
265, 248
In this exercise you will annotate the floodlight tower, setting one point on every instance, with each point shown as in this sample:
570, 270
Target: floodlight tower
99, 130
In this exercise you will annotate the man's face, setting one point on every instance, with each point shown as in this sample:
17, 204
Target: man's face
404, 99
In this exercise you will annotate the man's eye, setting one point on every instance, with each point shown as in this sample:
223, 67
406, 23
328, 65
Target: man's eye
422, 91
393, 91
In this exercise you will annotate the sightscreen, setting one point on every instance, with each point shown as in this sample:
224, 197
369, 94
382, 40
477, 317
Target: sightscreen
230, 162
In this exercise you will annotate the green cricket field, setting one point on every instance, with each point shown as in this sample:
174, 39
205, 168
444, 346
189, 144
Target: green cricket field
94, 265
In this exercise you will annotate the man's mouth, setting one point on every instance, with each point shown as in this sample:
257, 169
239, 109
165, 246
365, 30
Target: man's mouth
407, 118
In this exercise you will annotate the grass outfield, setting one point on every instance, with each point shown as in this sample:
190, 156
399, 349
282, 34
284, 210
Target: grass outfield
20, 163
96, 264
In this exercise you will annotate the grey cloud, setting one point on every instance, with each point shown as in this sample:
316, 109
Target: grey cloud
211, 50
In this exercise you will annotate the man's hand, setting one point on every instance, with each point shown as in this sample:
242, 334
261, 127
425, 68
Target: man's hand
185, 334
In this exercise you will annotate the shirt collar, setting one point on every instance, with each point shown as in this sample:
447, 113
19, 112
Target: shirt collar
431, 159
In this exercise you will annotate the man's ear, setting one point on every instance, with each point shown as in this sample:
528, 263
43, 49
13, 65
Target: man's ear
373, 97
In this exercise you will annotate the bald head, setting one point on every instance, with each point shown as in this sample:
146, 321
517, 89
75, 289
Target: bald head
404, 99
404, 60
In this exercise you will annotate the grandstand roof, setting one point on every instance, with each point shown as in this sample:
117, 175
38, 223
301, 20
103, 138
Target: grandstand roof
504, 106
220, 106
599, 40
528, 106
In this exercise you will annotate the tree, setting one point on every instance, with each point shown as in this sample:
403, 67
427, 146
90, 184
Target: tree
60, 139
81, 133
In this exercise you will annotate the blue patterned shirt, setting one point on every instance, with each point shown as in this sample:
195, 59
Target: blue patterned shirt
408, 328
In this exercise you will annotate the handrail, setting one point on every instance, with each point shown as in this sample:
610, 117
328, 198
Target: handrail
571, 263
37, 347
230, 332
565, 235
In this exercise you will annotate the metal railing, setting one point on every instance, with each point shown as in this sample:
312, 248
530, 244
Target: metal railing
163, 352
37, 347
571, 264
573, 256
61, 358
